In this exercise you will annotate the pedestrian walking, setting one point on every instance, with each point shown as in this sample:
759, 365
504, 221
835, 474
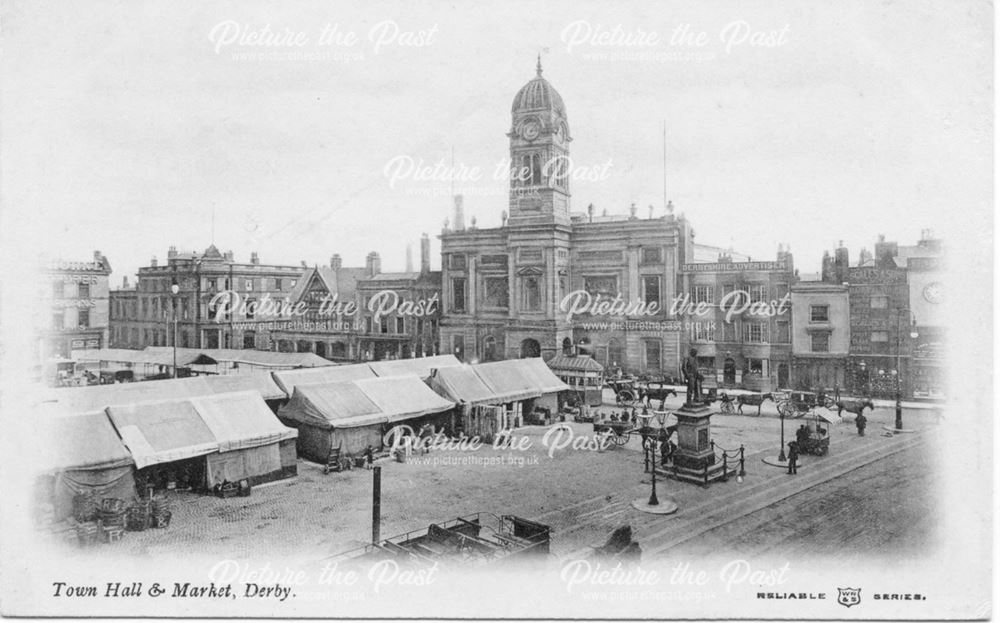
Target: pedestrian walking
793, 457
861, 423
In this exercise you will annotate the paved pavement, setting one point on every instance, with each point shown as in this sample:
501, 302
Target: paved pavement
582, 493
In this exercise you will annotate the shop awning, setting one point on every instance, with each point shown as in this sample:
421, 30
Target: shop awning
262, 383
462, 384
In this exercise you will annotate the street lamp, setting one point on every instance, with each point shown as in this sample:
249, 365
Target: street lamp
781, 452
899, 360
174, 289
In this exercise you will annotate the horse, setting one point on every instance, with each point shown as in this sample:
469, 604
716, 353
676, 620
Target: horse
754, 400
857, 407
655, 391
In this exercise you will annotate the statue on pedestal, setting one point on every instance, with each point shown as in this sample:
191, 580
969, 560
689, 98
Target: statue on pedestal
693, 378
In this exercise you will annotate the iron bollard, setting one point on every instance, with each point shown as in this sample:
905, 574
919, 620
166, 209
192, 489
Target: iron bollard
743, 471
725, 467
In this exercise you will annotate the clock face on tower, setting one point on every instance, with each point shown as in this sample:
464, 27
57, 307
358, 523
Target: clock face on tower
934, 292
530, 130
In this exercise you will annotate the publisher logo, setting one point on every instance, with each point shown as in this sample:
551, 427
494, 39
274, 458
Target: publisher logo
848, 596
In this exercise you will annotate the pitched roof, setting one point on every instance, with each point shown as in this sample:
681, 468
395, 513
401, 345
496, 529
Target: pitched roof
79, 441
574, 363
420, 366
332, 405
287, 380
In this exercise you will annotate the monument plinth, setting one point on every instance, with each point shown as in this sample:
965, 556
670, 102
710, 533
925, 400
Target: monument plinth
694, 447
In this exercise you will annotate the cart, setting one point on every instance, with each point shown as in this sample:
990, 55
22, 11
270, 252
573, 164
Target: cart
619, 431
336, 462
795, 404
817, 442
626, 392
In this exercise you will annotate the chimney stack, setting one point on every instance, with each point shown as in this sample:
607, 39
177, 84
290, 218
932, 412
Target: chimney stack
459, 214
373, 264
254, 258
97, 256
171, 253
409, 258
125, 282
425, 254
228, 256
152, 262
335, 261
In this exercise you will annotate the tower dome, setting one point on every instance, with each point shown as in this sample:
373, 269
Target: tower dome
538, 95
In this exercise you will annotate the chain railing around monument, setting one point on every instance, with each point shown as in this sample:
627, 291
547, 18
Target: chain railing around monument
726, 455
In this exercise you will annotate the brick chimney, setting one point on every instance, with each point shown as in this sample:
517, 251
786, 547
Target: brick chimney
125, 282
152, 262
254, 258
409, 258
373, 264
228, 256
425, 254
335, 261
459, 224
171, 253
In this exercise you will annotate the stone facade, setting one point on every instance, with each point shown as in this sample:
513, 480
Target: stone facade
76, 294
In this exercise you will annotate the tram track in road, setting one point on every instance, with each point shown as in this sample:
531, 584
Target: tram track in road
659, 534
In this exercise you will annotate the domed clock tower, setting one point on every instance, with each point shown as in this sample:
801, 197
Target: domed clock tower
539, 154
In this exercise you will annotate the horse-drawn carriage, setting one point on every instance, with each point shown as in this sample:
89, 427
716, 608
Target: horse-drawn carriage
621, 429
631, 391
795, 404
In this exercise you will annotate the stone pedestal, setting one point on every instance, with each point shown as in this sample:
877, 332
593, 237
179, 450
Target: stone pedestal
694, 448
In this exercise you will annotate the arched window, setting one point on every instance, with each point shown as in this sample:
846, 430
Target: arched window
567, 347
489, 348
536, 169
524, 174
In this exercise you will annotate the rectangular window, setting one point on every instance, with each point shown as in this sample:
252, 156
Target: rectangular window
58, 319
653, 354
754, 332
651, 289
819, 313
880, 336
531, 293
821, 342
251, 308
458, 346
704, 294
605, 286
495, 293
249, 339
456, 261
758, 292
83, 290
400, 325
458, 295
249, 284
880, 301
277, 283
703, 332
57, 289
754, 366
368, 324
652, 255
383, 325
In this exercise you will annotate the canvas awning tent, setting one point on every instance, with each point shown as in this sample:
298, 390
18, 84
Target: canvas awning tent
827, 416
287, 380
84, 456
509, 379
546, 381
249, 436
333, 415
403, 397
462, 384
419, 366
263, 384
236, 433
162, 431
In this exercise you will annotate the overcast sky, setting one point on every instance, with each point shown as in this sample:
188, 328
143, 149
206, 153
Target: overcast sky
126, 124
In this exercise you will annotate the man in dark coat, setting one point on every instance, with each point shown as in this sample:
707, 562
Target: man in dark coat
861, 423
793, 457
692, 378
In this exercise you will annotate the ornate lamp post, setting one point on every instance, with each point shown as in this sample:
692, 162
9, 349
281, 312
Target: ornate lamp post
653, 504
